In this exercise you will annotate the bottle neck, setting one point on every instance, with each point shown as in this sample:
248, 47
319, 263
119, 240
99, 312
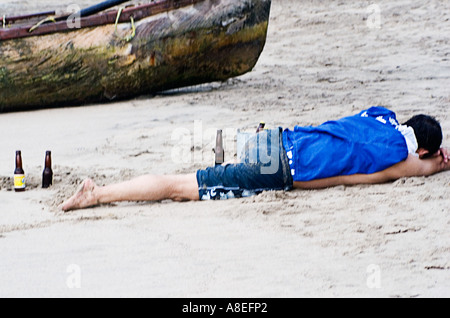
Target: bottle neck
219, 137
48, 160
18, 160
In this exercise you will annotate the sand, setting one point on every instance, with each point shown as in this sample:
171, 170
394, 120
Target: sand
323, 60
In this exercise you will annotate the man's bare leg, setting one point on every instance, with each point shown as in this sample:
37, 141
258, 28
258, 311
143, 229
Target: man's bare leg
144, 188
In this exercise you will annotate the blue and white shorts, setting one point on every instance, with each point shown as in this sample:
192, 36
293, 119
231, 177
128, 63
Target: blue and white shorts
264, 167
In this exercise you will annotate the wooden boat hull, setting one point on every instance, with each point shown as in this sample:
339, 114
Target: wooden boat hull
211, 40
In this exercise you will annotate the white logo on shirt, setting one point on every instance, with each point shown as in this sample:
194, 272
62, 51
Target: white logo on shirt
381, 119
289, 154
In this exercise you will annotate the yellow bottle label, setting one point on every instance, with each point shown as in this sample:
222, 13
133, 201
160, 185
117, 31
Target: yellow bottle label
19, 181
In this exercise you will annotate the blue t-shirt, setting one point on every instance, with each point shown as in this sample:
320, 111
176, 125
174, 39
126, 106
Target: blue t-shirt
361, 144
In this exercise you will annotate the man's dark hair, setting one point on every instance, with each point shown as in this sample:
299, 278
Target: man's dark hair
428, 132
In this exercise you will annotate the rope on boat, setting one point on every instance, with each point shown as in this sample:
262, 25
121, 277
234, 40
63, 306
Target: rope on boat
119, 13
133, 34
133, 27
48, 19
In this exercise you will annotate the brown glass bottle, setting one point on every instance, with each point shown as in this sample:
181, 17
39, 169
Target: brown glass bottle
47, 175
261, 127
219, 150
19, 174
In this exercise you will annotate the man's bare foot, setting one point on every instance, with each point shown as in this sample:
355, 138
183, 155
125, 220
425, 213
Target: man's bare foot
83, 198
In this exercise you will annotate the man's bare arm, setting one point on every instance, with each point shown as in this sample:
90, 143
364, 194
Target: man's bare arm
411, 167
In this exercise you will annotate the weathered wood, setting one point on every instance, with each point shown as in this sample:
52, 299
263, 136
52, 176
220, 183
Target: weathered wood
212, 40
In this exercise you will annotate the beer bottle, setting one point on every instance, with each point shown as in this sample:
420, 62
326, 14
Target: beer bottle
47, 176
220, 153
261, 127
19, 174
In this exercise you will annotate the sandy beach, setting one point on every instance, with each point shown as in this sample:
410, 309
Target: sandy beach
323, 60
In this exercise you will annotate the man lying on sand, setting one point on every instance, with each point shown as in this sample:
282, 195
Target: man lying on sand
368, 148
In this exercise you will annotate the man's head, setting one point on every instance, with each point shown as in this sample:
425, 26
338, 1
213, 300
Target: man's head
428, 133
